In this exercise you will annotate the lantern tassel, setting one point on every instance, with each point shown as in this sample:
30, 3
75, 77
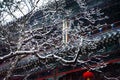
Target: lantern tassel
88, 78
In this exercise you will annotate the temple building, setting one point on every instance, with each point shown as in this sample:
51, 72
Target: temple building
62, 40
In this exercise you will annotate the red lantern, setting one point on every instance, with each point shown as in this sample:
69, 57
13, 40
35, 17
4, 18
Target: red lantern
87, 75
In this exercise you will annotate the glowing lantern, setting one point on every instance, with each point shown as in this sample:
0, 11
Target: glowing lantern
87, 75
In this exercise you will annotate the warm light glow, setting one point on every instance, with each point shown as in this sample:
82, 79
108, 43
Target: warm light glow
88, 75
88, 78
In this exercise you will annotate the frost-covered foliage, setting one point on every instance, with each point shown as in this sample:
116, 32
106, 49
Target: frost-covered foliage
38, 36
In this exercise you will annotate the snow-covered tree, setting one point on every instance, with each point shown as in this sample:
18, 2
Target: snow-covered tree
38, 34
